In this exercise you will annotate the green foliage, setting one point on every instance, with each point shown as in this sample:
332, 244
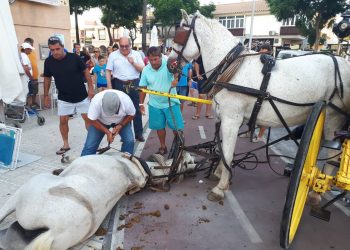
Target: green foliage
81, 5
207, 10
121, 13
313, 15
167, 12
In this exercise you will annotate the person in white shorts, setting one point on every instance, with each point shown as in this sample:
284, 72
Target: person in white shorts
68, 71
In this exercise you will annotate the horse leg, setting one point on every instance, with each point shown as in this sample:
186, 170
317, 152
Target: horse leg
333, 123
229, 132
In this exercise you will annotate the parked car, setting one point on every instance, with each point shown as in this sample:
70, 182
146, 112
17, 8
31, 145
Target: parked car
284, 54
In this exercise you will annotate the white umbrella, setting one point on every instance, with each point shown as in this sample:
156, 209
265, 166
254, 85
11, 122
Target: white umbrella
11, 85
154, 37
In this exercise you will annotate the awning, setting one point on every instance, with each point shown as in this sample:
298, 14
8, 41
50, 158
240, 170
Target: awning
11, 85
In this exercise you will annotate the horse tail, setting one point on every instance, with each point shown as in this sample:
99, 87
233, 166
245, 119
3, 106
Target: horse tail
8, 208
42, 242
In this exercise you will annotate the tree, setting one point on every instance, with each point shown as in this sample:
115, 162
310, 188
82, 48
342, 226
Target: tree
116, 13
167, 12
119, 13
312, 15
78, 7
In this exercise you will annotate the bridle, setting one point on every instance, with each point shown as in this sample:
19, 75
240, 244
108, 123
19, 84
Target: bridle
181, 37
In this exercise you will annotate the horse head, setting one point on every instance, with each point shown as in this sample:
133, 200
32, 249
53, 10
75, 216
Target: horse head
161, 167
198, 35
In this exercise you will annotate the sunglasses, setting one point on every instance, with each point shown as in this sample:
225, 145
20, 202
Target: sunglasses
53, 40
124, 46
96, 51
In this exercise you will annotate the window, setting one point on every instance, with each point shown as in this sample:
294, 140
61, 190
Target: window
289, 21
232, 22
101, 34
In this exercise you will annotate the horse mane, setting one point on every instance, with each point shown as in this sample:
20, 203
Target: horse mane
213, 24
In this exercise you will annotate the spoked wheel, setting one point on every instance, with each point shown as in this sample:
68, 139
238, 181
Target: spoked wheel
303, 174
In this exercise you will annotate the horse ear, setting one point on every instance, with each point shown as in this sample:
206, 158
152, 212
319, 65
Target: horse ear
184, 15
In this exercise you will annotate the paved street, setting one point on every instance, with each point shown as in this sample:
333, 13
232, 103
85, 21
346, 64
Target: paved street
183, 218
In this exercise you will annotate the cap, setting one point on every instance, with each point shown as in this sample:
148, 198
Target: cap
110, 103
27, 46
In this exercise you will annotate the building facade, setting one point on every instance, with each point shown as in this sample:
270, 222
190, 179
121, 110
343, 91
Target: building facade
237, 18
40, 19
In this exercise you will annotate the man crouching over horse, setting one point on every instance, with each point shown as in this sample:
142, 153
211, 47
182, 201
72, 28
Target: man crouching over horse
67, 209
110, 109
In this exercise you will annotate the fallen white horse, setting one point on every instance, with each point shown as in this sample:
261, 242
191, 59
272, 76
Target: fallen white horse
69, 208
305, 79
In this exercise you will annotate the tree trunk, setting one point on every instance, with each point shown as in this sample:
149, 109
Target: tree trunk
167, 34
76, 25
318, 31
110, 35
144, 25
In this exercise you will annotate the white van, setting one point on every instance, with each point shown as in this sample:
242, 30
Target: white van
284, 54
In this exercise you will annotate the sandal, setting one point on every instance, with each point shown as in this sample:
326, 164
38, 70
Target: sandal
195, 117
209, 116
162, 151
61, 151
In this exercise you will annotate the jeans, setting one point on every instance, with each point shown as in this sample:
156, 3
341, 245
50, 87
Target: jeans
134, 96
94, 138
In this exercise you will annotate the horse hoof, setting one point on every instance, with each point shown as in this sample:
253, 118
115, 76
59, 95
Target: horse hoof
314, 199
214, 197
213, 177
57, 171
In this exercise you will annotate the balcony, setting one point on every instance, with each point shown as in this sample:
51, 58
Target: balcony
237, 31
289, 31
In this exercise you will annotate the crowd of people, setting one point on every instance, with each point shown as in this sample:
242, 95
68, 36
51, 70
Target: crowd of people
101, 88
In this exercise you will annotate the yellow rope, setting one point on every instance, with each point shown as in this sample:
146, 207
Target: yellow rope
181, 97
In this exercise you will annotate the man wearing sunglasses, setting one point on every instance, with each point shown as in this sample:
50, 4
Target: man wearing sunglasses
126, 65
68, 71
110, 109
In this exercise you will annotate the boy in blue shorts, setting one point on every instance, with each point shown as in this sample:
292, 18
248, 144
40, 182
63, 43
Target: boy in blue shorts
100, 74
156, 76
184, 82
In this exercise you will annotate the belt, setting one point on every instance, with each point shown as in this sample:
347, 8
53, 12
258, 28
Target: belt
127, 81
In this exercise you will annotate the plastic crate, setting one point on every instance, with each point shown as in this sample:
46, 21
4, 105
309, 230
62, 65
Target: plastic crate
10, 140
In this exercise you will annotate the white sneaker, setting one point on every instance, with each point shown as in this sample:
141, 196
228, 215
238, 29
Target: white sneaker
258, 139
245, 135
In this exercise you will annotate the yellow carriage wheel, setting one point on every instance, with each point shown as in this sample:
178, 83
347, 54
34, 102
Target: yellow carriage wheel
303, 174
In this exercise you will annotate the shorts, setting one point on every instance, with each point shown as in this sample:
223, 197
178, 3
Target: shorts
182, 90
101, 85
158, 118
33, 87
200, 88
194, 85
68, 108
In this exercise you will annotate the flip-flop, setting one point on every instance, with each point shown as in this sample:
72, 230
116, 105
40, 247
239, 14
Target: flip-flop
195, 117
209, 117
162, 151
61, 151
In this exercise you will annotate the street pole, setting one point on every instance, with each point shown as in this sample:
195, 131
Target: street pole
76, 25
144, 25
251, 26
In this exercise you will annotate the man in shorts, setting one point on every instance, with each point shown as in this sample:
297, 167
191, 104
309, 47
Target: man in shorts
33, 83
156, 76
68, 71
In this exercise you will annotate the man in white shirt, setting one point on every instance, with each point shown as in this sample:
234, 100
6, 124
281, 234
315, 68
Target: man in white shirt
126, 65
27, 66
110, 109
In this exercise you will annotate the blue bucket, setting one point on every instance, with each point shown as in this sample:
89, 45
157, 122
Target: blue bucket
7, 145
